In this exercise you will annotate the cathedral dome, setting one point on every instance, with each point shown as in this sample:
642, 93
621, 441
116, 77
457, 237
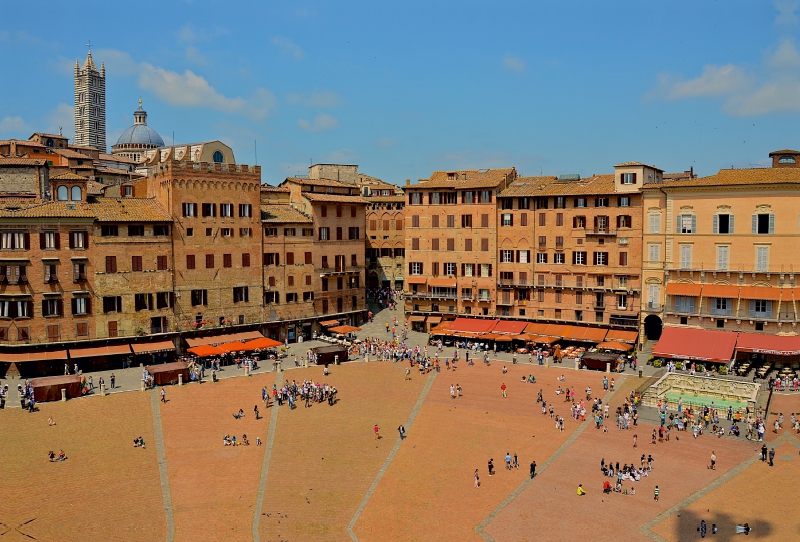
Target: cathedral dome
140, 134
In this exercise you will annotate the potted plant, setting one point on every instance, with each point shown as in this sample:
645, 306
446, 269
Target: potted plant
679, 365
140, 332
657, 363
723, 370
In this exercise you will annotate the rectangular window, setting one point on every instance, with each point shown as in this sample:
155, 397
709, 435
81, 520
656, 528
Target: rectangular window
558, 258
723, 224
77, 239
523, 256
398, 225
541, 257
107, 231
722, 258
508, 219
486, 196
111, 264
324, 234
684, 304
628, 178
523, 219
721, 306
289, 232
160, 230
199, 297
506, 204
354, 260
764, 224
580, 202
308, 232
353, 211
112, 304
143, 302
486, 270
655, 223
578, 258
468, 245
323, 211
434, 245
507, 256
451, 244
601, 258
624, 221
227, 260
484, 245
466, 221
762, 259
469, 269
209, 261
136, 230
416, 268
434, 198
209, 209
353, 232
270, 232
415, 221
523, 203
542, 219
450, 269
623, 259
760, 308
624, 201
416, 198
245, 210
484, 221
245, 232
451, 221
653, 252
163, 300
241, 294
560, 202
686, 256
136, 263
601, 202
189, 209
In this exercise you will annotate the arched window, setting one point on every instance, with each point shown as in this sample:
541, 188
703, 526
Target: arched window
786, 160
49, 142
217, 157
76, 193
63, 193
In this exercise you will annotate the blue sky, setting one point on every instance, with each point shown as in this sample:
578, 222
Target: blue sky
404, 88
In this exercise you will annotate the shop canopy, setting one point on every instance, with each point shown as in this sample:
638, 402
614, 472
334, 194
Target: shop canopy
720, 290
434, 319
225, 338
416, 318
235, 346
158, 346
416, 280
584, 334
696, 344
263, 342
344, 329
329, 323
504, 338
119, 349
472, 325
776, 345
206, 350
15, 357
760, 292
510, 327
621, 336
555, 330
536, 329
542, 339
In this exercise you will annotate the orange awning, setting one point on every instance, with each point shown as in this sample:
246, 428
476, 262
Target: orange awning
720, 290
416, 318
235, 346
344, 329
684, 288
14, 357
490, 336
760, 292
99, 351
556, 330
225, 338
329, 323
543, 339
158, 346
206, 350
263, 342
416, 280
504, 338
588, 334
621, 336
434, 319
538, 329
443, 283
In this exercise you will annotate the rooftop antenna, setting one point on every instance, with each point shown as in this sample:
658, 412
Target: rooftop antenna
173, 132
89, 46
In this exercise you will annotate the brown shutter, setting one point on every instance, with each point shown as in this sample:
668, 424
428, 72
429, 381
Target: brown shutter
44, 307
74, 303
58, 240
88, 305
71, 239
490, 270
634, 178
60, 307
27, 240
463, 270
41, 240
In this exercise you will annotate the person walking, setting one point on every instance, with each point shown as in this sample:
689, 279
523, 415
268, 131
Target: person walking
764, 453
634, 441
255, 409
655, 494
477, 480
515, 463
402, 431
533, 469
490, 466
508, 461
112, 378
408, 374
163, 396
503, 389
713, 465
377, 432
771, 457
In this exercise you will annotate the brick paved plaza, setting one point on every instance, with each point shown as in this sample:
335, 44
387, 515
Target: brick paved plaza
324, 463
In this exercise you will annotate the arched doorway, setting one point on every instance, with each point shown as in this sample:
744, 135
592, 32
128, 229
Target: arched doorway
652, 327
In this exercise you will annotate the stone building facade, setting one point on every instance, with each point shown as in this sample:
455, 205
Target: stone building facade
718, 251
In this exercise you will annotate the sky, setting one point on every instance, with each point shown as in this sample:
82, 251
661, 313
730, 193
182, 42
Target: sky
406, 88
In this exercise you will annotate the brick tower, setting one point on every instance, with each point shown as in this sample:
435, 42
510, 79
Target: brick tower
90, 104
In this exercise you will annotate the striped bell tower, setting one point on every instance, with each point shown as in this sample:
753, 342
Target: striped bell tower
90, 104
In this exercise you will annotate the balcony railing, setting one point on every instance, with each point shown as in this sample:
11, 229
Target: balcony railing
334, 269
653, 306
601, 232
513, 282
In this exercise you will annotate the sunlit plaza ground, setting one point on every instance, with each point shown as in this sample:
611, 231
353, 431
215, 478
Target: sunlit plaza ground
325, 471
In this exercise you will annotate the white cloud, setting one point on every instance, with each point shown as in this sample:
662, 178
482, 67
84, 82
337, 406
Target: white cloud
317, 98
786, 12
340, 156
514, 64
186, 89
62, 117
387, 142
13, 125
190, 33
783, 95
321, 123
288, 47
785, 56
715, 81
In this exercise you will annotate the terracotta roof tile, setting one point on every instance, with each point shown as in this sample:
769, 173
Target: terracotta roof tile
45, 209
276, 213
784, 151
21, 162
69, 176
117, 158
471, 178
385, 199
129, 210
551, 186
630, 164
267, 188
21, 142
333, 198
732, 177
317, 182
69, 153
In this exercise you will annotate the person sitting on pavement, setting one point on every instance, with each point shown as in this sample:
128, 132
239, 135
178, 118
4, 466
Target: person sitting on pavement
239, 414
581, 492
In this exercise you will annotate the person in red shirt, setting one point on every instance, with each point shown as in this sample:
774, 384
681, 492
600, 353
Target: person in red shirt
377, 434
503, 389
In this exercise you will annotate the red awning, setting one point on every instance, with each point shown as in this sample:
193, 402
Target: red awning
760, 292
33, 356
778, 345
621, 336
537, 329
509, 326
226, 338
588, 334
472, 325
99, 351
720, 290
556, 330
684, 288
696, 344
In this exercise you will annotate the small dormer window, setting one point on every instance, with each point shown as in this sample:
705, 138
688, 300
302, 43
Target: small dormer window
217, 157
628, 178
76, 193
452, 176
80, 162
787, 160
127, 191
49, 142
